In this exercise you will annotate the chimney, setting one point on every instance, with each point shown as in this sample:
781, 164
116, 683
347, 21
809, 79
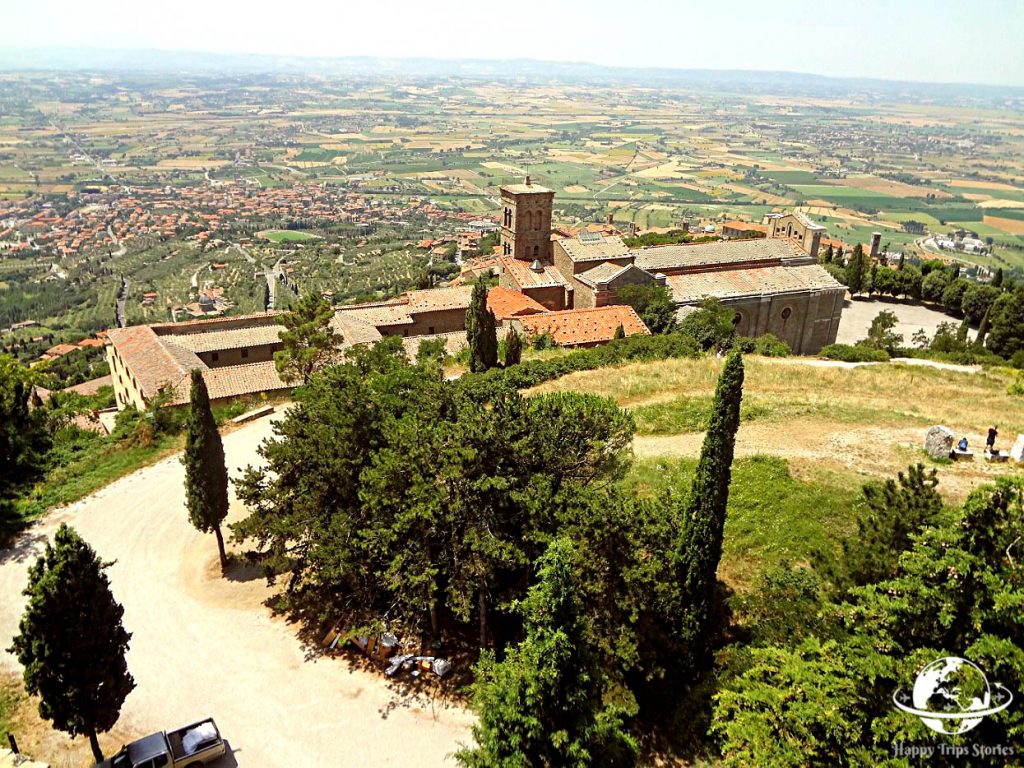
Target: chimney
661, 278
528, 180
611, 219
536, 266
876, 238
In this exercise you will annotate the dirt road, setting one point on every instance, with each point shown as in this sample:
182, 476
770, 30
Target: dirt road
203, 645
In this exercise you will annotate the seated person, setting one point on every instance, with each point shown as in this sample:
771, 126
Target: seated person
962, 445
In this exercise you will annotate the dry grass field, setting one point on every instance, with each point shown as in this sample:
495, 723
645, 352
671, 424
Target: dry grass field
854, 423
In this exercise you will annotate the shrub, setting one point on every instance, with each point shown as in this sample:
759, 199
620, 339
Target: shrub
856, 353
1017, 388
766, 345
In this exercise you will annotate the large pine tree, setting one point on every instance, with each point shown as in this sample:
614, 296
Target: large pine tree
543, 704
206, 475
71, 641
481, 331
699, 548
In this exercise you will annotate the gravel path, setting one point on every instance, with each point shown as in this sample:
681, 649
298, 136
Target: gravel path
203, 645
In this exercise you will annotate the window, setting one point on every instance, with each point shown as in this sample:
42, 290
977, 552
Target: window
430, 329
536, 251
737, 318
787, 313
245, 353
214, 357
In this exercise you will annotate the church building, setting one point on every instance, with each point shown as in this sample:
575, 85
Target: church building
774, 283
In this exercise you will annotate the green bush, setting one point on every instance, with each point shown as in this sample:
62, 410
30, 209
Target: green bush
529, 373
1017, 388
766, 345
855, 353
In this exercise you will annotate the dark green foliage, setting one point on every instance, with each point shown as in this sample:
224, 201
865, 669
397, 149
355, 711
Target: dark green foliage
997, 278
481, 331
671, 237
432, 352
206, 475
955, 590
71, 641
513, 348
935, 283
23, 439
654, 304
893, 511
529, 373
881, 335
391, 492
856, 353
827, 255
857, 270
1006, 334
699, 546
712, 326
977, 300
543, 704
620, 332
309, 340
953, 295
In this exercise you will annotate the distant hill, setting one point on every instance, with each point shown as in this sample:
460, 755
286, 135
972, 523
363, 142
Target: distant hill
726, 81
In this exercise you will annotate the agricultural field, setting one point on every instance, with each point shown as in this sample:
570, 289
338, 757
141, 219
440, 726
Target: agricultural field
389, 146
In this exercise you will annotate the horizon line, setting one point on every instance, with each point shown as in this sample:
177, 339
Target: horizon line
11, 67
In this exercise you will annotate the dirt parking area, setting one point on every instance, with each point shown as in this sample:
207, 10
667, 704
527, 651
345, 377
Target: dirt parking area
858, 314
205, 645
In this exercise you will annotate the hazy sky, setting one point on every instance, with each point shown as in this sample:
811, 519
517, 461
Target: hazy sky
978, 41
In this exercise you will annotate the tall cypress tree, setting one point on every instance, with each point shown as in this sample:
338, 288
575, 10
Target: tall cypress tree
699, 548
206, 475
481, 331
71, 641
513, 348
856, 270
543, 705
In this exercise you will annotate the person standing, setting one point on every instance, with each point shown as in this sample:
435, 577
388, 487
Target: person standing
990, 441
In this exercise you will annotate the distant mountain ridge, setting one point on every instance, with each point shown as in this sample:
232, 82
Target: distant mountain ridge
165, 61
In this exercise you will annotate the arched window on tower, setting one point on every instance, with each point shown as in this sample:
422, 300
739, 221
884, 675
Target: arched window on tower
536, 251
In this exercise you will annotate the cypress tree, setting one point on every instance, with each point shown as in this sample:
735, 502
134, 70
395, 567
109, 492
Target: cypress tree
71, 641
481, 331
997, 279
856, 270
620, 332
829, 255
513, 348
979, 340
700, 545
543, 704
206, 475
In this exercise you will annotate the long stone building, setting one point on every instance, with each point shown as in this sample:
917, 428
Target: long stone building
773, 283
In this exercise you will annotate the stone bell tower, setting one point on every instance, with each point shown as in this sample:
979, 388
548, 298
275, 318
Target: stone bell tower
526, 222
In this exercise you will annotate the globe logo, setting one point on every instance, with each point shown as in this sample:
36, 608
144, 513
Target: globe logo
952, 695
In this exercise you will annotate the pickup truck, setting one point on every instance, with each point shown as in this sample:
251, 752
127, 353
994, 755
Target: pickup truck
193, 746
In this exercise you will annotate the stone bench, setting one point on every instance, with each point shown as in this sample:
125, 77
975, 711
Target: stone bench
264, 411
998, 457
958, 455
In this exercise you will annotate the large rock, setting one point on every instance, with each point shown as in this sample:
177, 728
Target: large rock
1017, 452
939, 442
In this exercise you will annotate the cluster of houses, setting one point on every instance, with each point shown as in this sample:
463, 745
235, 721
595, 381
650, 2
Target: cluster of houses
553, 282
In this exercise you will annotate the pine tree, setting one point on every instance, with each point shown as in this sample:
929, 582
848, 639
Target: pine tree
856, 270
481, 331
309, 342
71, 641
543, 704
206, 475
699, 548
513, 348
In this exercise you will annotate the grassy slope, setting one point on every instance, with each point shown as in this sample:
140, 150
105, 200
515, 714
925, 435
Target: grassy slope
809, 439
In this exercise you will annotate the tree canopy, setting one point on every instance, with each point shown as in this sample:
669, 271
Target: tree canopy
309, 340
206, 475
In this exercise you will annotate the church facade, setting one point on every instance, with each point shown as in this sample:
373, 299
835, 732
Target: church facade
774, 284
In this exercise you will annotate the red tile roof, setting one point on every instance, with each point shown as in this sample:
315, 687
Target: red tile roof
574, 327
505, 303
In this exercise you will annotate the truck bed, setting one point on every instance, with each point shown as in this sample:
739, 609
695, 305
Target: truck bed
207, 749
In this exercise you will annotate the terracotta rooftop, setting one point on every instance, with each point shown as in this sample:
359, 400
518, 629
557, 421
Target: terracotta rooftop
237, 338
454, 343
735, 283
595, 325
720, 253
594, 247
505, 303
525, 277
236, 380
745, 226
353, 329
524, 189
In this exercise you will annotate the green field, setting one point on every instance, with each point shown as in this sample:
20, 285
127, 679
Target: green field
287, 236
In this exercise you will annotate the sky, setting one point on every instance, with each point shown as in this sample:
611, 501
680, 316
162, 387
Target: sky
974, 41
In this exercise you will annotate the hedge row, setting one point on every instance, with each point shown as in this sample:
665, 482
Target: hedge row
854, 353
529, 373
